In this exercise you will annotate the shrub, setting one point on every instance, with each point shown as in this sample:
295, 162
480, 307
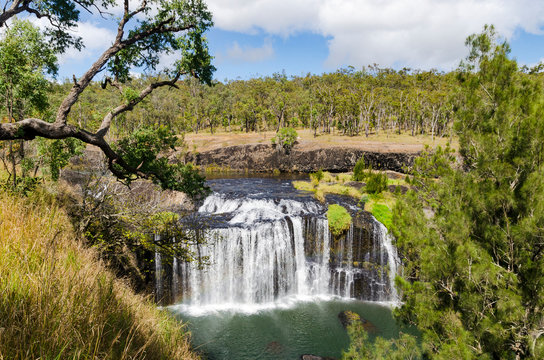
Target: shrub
339, 219
318, 175
285, 138
359, 173
376, 182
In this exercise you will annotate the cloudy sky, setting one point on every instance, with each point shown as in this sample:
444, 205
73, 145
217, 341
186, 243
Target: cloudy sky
260, 37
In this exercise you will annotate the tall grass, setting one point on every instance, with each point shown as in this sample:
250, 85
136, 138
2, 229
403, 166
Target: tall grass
57, 301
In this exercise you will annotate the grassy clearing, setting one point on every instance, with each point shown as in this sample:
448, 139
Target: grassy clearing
204, 141
58, 301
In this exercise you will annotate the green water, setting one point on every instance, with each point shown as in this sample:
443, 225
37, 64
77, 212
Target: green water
281, 332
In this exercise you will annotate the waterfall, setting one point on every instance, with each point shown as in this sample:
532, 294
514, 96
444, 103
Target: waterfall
268, 249
159, 289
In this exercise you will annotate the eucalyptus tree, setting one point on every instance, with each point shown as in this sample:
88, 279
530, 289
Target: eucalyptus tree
26, 58
145, 32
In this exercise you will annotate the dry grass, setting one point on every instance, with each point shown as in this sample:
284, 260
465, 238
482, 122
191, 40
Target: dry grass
381, 142
325, 186
58, 301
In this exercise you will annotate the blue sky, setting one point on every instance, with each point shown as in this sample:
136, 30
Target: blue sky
259, 37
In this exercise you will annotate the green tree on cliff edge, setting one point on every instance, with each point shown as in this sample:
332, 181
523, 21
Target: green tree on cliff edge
473, 241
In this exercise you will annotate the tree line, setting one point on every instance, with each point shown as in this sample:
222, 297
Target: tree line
350, 102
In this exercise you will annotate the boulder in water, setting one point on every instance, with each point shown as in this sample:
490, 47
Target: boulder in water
274, 347
315, 357
348, 318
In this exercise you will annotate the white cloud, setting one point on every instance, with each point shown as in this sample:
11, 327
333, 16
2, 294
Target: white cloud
96, 40
417, 33
237, 53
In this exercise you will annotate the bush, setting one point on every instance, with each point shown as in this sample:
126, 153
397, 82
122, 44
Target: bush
317, 175
286, 138
339, 219
359, 173
376, 182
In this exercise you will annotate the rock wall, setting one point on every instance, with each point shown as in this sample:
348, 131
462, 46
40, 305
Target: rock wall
267, 158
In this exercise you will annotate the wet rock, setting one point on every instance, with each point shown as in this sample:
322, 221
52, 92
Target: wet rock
348, 318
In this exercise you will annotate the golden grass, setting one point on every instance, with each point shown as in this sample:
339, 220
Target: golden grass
58, 301
320, 189
382, 142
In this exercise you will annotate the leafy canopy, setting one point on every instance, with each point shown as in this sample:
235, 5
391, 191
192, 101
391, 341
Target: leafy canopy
144, 150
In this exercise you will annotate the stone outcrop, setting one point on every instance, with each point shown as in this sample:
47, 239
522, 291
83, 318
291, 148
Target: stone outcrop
348, 318
267, 158
315, 357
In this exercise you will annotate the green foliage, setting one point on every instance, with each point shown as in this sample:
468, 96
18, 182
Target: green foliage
145, 150
318, 175
359, 173
24, 185
130, 94
339, 219
55, 154
25, 58
405, 347
383, 214
376, 182
286, 138
471, 239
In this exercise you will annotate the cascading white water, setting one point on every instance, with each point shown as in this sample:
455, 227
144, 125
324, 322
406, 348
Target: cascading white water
158, 270
392, 260
263, 253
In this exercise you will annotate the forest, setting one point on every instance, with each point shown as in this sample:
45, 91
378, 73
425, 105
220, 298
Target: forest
349, 101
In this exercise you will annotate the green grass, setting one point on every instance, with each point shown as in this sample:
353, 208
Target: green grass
339, 219
57, 300
383, 214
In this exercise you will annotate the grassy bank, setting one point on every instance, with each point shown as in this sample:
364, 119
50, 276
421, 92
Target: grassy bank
58, 301
380, 205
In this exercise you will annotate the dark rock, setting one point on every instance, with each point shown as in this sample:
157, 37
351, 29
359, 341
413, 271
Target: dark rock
400, 188
264, 158
355, 184
315, 357
348, 318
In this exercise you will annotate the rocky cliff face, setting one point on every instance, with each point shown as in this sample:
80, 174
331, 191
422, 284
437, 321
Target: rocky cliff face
264, 158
